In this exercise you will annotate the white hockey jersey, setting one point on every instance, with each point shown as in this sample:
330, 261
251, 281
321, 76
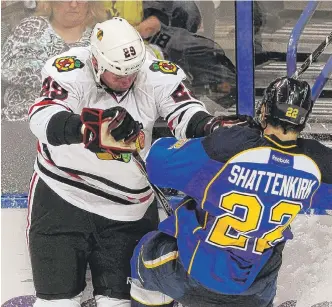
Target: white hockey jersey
108, 185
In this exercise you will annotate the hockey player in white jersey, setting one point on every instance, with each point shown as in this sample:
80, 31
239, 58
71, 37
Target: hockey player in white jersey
88, 201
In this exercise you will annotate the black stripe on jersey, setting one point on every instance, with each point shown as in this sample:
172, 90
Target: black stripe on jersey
105, 181
47, 153
181, 115
95, 177
41, 108
30, 114
82, 186
180, 107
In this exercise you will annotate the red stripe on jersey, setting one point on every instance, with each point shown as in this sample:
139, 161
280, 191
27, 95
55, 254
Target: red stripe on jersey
143, 199
31, 191
38, 147
170, 123
45, 103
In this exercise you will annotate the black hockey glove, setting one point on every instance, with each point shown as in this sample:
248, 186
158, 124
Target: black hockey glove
112, 130
225, 121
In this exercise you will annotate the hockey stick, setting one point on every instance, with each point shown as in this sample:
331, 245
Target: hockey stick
161, 198
313, 56
111, 142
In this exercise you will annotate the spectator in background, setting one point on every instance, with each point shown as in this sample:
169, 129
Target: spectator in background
56, 27
148, 16
170, 28
30, 4
134, 13
12, 13
5, 31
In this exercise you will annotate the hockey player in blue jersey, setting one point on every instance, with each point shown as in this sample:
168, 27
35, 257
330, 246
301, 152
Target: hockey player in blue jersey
245, 185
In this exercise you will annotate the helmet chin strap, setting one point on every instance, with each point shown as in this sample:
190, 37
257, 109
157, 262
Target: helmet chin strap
96, 72
99, 72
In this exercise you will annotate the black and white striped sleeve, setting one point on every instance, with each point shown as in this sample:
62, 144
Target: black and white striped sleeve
178, 108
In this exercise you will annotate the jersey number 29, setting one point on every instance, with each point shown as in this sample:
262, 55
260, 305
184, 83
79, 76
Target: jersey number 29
129, 52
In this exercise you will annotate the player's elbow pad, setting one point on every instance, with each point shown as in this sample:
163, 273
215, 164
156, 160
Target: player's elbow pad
196, 124
64, 128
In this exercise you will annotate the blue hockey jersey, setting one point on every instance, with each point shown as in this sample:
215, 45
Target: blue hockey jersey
247, 188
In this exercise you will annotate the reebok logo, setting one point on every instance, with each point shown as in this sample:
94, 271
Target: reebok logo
280, 160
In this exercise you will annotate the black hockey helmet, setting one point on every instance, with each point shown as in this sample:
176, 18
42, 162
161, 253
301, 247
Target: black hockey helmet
287, 100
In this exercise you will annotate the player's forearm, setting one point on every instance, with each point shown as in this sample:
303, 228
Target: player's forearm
149, 27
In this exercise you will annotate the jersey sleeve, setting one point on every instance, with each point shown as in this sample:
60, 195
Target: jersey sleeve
322, 199
322, 156
56, 95
175, 102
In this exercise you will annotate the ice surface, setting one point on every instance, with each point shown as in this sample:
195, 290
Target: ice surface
306, 274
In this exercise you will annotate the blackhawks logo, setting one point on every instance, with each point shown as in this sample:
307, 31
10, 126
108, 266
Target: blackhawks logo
140, 141
122, 157
165, 67
67, 63
100, 34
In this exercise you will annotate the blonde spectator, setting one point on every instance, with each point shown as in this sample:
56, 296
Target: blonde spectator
56, 27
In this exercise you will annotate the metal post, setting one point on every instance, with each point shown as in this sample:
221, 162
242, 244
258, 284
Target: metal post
245, 57
295, 36
321, 79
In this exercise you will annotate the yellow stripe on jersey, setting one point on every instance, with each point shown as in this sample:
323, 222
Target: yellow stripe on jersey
279, 145
193, 257
176, 217
150, 264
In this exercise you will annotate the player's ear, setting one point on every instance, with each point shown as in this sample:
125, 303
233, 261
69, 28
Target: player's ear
262, 114
263, 110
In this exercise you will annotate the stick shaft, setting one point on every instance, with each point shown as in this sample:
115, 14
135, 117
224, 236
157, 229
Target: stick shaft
161, 198
313, 56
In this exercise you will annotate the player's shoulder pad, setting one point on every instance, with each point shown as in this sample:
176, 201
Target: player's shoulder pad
161, 74
224, 143
71, 66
